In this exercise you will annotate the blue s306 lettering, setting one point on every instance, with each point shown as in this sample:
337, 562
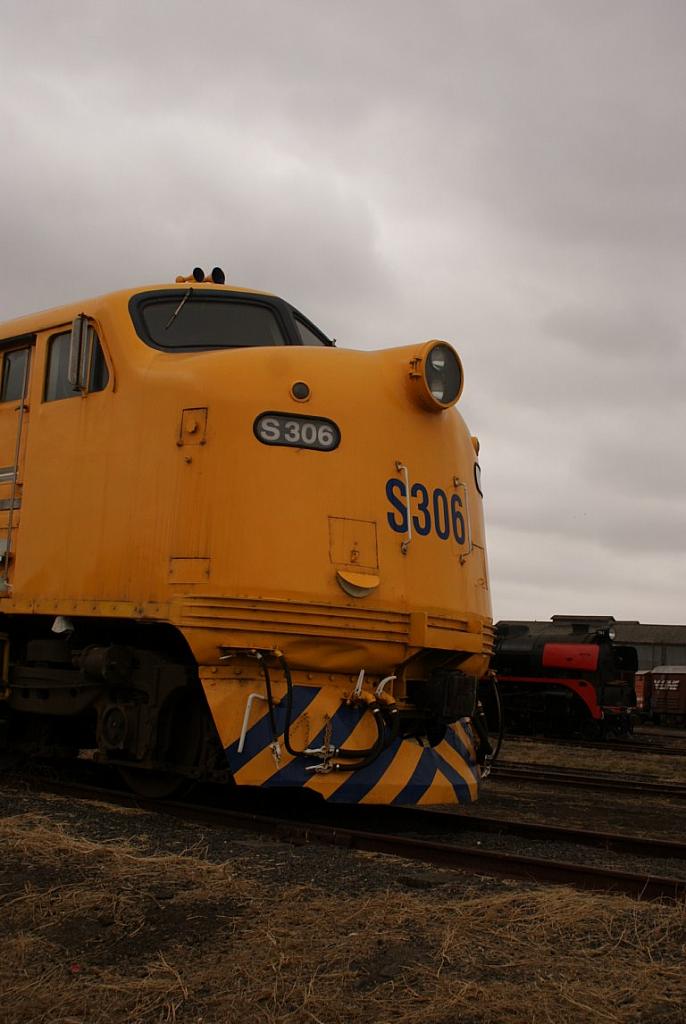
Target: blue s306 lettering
395, 492
430, 511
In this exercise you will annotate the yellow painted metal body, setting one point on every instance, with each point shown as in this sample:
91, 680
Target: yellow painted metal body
153, 500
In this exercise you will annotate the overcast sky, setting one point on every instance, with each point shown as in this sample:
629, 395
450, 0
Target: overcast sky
508, 175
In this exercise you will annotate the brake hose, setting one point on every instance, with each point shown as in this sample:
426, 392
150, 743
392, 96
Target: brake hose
270, 695
501, 719
486, 754
367, 756
369, 752
289, 709
382, 743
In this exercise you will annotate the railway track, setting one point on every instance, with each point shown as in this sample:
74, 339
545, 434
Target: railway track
660, 731
403, 835
614, 841
653, 746
552, 775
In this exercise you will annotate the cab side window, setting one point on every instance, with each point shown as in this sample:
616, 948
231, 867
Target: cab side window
15, 367
57, 377
307, 335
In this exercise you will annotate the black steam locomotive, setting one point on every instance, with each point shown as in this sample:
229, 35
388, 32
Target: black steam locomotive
565, 677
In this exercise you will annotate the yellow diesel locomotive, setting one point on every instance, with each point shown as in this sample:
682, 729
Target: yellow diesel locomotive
231, 550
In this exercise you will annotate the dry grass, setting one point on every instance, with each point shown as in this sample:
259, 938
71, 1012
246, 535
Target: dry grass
110, 932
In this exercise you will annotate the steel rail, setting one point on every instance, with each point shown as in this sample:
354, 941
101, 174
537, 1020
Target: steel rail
642, 846
552, 775
445, 855
660, 731
429, 822
616, 746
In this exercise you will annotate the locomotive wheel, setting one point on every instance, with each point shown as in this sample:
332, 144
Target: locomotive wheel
592, 730
181, 741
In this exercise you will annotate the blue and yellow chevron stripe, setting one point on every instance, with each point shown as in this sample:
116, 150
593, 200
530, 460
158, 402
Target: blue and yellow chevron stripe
406, 772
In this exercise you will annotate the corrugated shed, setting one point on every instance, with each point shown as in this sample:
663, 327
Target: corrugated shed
649, 633
655, 643
628, 631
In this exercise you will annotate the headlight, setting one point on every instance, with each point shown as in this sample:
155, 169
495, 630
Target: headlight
443, 374
437, 376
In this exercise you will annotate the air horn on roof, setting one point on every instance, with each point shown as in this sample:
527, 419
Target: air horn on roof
216, 277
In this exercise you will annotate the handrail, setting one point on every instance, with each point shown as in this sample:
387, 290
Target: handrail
457, 484
401, 468
13, 493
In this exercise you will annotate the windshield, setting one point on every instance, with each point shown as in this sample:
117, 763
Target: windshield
188, 321
197, 319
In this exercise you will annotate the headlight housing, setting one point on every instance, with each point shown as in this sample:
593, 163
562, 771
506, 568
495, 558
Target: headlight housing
437, 376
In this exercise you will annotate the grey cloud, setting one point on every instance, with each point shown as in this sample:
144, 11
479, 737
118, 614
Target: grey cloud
510, 177
582, 577
581, 363
631, 331
647, 460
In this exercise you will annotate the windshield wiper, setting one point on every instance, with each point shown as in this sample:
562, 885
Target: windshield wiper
178, 309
